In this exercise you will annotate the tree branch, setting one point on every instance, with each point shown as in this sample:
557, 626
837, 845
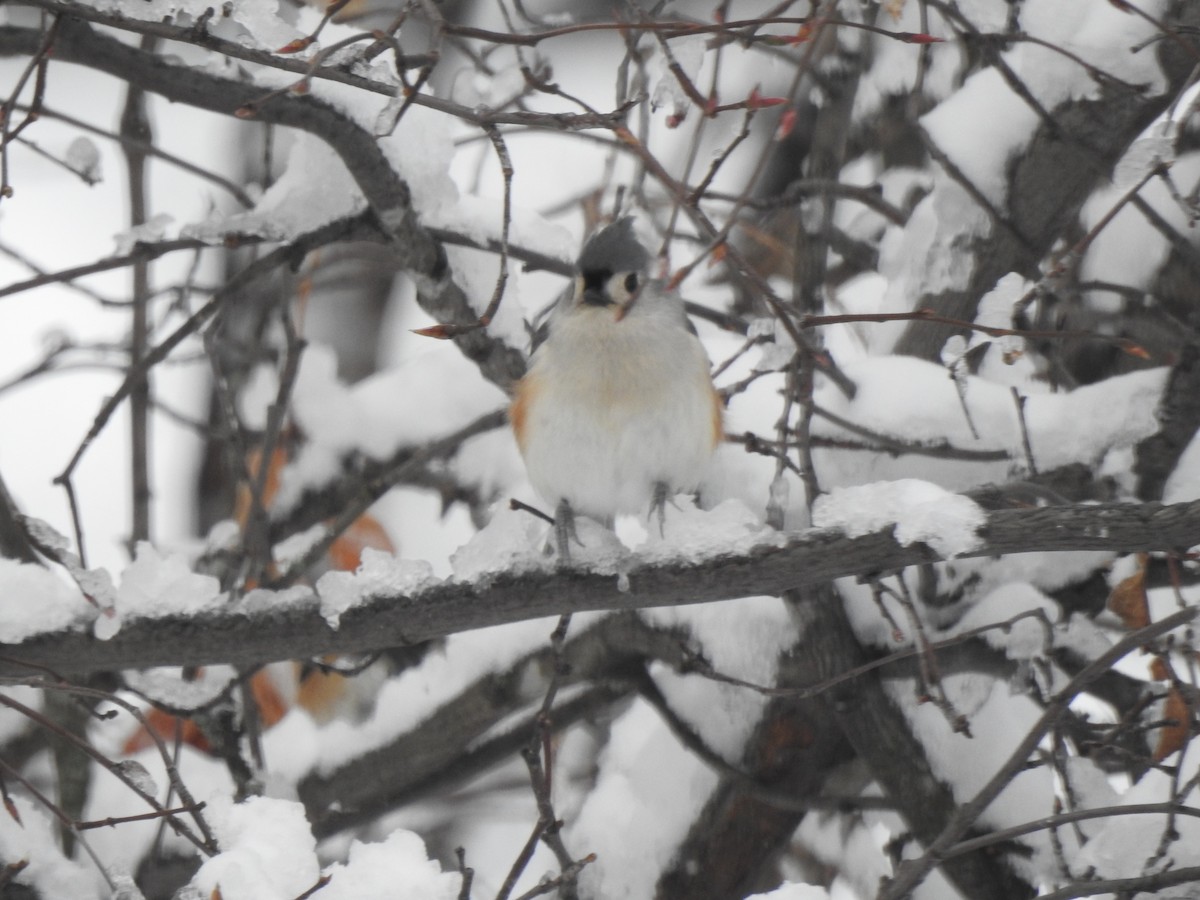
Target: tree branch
1065, 160
780, 563
417, 251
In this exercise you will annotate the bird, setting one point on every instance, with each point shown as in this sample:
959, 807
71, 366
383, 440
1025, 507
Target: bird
617, 411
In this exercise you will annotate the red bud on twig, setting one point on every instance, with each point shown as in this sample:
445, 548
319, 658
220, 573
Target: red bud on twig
758, 101
296, 46
438, 332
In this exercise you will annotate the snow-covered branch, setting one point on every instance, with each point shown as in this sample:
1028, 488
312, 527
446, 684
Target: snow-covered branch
386, 192
1064, 143
776, 563
940, 257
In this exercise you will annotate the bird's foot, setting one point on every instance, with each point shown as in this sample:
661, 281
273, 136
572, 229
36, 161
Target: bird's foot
658, 505
564, 531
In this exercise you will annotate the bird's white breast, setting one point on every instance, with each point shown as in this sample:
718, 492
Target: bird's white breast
613, 407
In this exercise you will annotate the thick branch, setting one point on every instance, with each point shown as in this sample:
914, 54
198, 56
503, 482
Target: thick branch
1070, 154
449, 748
386, 192
1179, 413
787, 562
792, 752
878, 731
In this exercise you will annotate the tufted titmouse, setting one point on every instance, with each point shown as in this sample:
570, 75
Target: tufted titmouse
618, 410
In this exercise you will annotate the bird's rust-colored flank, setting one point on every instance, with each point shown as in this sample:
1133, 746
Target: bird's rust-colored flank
518, 411
718, 419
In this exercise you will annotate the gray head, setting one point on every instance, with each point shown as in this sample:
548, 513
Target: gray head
612, 266
614, 248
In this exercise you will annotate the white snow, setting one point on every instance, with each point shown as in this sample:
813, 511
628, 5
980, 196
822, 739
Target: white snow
267, 850
921, 512
996, 307
750, 477
96, 584
1126, 842
261, 599
1090, 788
794, 891
514, 540
895, 64
153, 230
138, 776
915, 401
1100, 33
255, 23
691, 534
929, 255
648, 793
378, 574
296, 202
980, 127
35, 600
689, 54
430, 395
405, 701
985, 124
293, 549
1027, 638
851, 844
156, 585
1129, 250
168, 686
741, 638
397, 866
998, 720
33, 839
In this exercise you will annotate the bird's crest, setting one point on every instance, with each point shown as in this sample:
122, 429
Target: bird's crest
614, 248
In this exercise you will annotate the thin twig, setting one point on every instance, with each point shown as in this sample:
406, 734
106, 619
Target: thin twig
262, 266
506, 171
1019, 400
62, 817
116, 769
695, 662
135, 127
258, 526
35, 68
467, 873
113, 821
150, 150
142, 252
366, 494
913, 872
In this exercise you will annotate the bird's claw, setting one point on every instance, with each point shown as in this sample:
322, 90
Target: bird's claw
658, 504
564, 531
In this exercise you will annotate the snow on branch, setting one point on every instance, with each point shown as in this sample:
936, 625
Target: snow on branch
387, 194
779, 563
1059, 150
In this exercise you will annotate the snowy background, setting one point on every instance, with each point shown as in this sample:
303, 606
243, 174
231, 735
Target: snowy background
662, 754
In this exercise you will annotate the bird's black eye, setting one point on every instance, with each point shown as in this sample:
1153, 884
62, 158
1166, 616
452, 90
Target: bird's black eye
631, 282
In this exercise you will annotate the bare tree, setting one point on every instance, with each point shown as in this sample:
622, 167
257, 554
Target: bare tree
929, 631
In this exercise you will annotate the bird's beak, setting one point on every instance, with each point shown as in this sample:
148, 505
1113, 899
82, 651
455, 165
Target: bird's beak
595, 297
